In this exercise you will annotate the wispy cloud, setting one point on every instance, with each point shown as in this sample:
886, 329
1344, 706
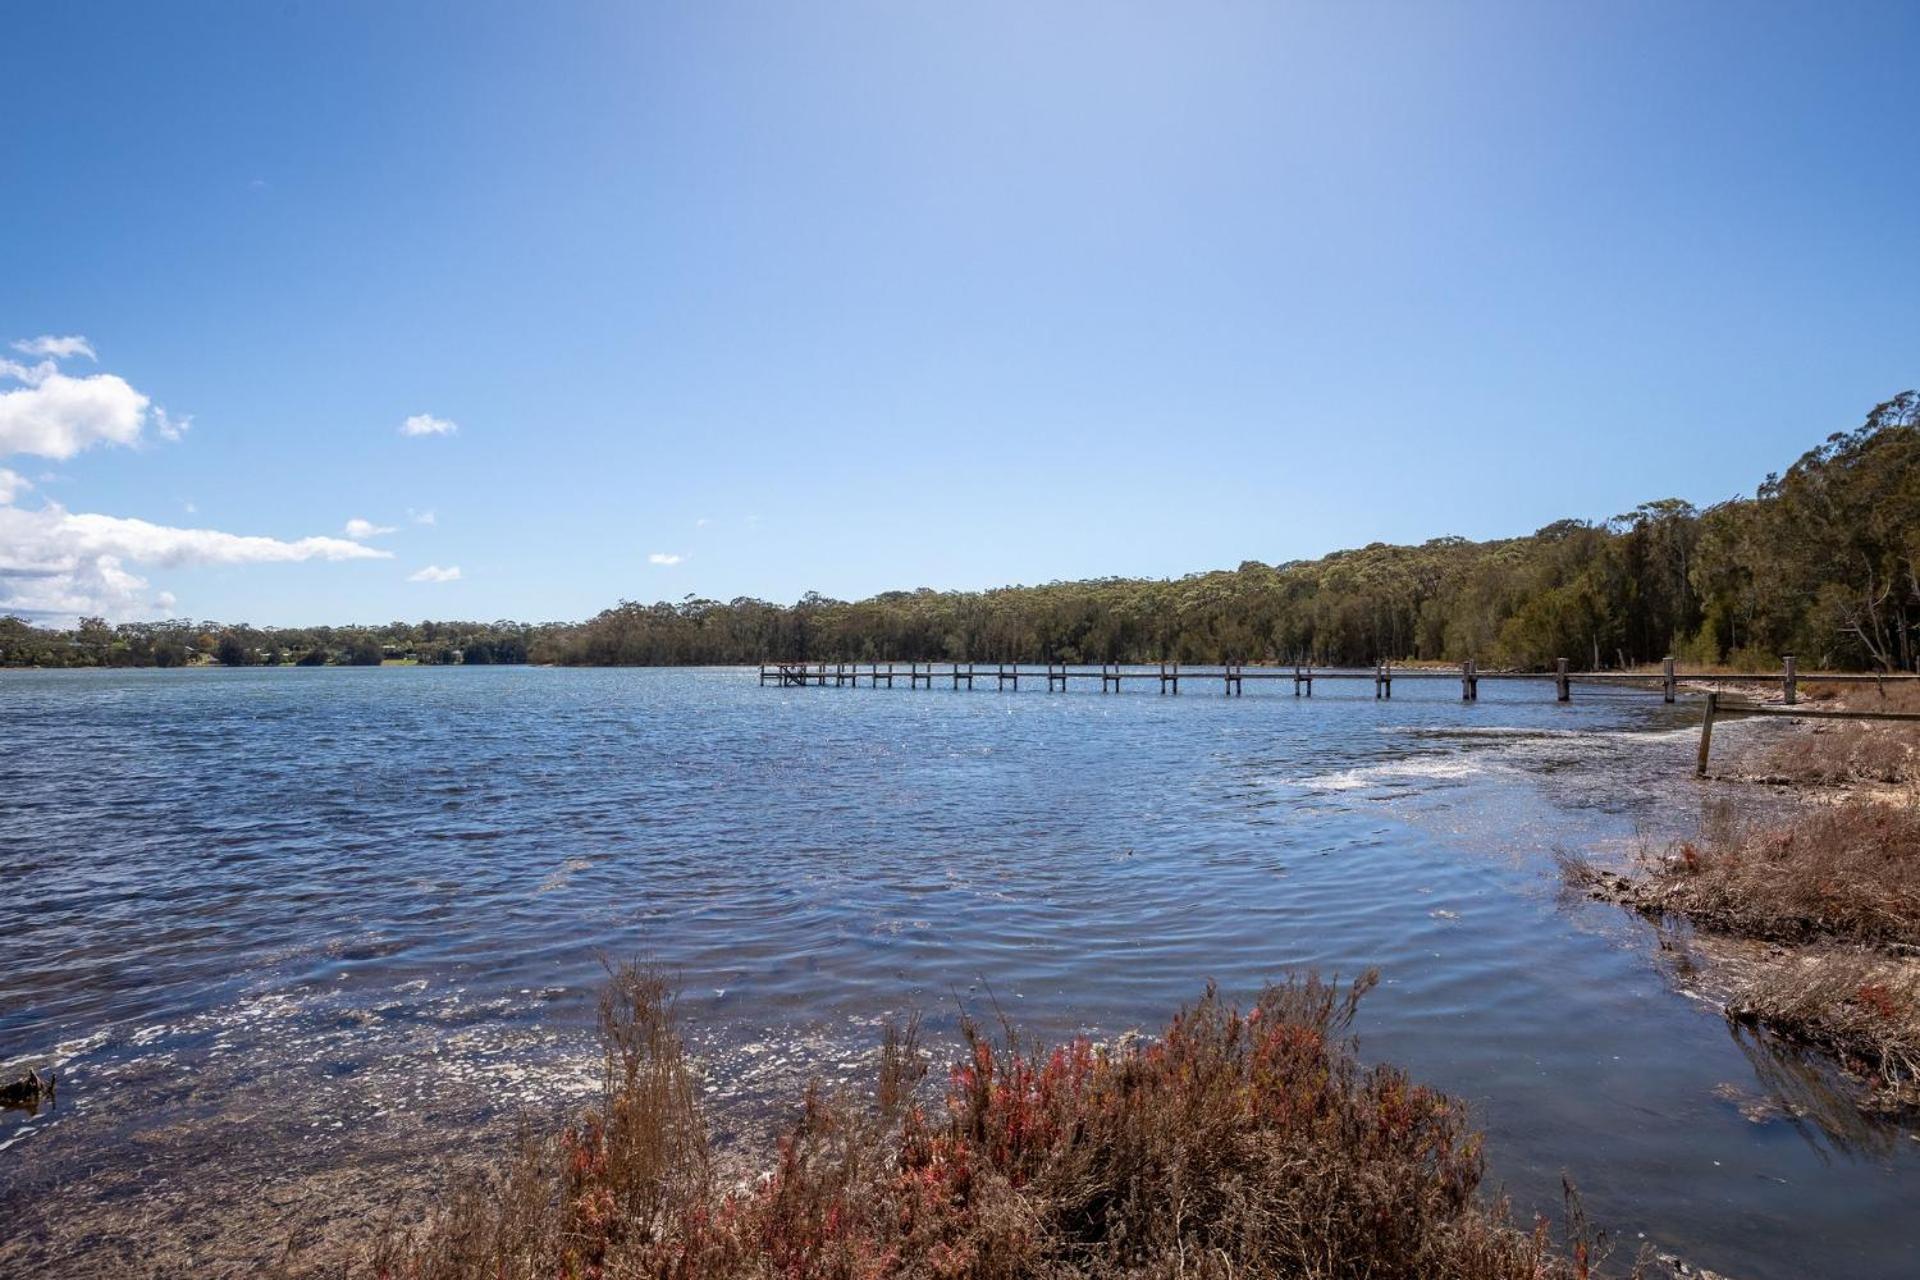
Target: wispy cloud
169, 427
703, 522
56, 564
665, 558
58, 348
360, 530
420, 517
434, 573
425, 424
12, 485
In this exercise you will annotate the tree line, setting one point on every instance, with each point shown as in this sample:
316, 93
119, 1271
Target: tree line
183, 642
1822, 561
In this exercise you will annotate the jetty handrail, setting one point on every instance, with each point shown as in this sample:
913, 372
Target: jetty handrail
1234, 675
1715, 709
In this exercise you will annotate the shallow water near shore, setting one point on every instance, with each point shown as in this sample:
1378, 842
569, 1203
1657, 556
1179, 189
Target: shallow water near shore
296, 938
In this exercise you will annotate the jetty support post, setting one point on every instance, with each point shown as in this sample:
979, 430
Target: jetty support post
1386, 679
1790, 680
1296, 679
1562, 687
1309, 679
1176, 677
763, 675
1469, 681
1668, 685
1706, 733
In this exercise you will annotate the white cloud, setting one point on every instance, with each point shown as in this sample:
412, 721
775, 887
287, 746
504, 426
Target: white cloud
434, 573
360, 530
170, 428
31, 374
12, 485
425, 424
57, 565
420, 517
59, 348
58, 416
665, 558
702, 522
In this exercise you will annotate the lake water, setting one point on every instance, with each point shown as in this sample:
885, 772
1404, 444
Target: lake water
296, 937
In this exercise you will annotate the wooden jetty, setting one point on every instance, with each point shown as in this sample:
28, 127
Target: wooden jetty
1231, 677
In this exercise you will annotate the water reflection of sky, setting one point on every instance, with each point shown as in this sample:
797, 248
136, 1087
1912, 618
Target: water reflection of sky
280, 924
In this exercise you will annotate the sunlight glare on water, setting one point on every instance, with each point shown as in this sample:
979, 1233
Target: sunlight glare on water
272, 925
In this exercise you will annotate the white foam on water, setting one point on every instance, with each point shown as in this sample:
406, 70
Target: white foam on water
1391, 772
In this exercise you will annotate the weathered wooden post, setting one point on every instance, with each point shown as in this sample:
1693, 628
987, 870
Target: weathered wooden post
1562, 687
1386, 675
1706, 733
1309, 679
1668, 684
1377, 669
1296, 679
1790, 681
1176, 677
1469, 681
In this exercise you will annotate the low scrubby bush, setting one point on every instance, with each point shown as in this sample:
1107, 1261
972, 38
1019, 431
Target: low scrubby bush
1245, 1145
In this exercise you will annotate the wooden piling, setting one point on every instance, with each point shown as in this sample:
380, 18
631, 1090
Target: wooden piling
1790, 680
1706, 733
1469, 681
1562, 686
1669, 686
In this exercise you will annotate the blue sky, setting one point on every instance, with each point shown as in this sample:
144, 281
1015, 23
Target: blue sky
850, 297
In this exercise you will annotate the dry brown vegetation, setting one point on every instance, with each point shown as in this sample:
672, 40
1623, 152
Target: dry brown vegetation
1840, 885
1233, 1145
1850, 752
1862, 1009
1848, 873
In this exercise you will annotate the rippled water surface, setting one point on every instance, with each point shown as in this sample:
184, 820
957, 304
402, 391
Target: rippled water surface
294, 936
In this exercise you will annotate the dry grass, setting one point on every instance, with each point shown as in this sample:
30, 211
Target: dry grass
1233, 1145
1843, 753
1862, 1009
1838, 883
1847, 873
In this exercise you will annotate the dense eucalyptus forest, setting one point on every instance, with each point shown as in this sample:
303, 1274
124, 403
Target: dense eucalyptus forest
1822, 561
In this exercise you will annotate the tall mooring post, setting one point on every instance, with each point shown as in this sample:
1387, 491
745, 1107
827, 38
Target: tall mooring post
1562, 686
1669, 686
1706, 733
1790, 680
1469, 681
